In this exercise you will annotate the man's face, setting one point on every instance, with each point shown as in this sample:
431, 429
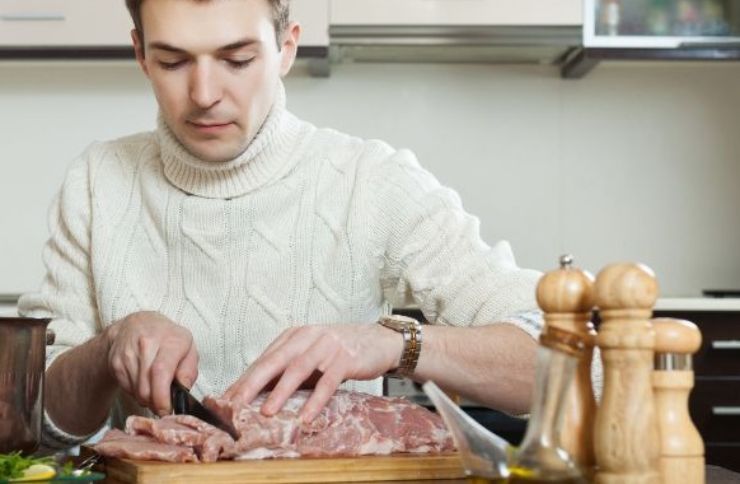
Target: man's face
214, 67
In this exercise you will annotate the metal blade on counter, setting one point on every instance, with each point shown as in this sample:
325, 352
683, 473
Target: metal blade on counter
483, 453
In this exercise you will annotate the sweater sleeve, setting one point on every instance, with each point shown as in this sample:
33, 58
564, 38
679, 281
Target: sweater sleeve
66, 294
435, 254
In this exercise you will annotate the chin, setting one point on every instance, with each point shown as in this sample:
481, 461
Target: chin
215, 156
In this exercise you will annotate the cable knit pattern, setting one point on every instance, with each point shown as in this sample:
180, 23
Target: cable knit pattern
307, 226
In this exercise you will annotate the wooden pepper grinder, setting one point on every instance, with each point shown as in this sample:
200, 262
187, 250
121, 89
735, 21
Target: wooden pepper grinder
682, 449
626, 435
566, 296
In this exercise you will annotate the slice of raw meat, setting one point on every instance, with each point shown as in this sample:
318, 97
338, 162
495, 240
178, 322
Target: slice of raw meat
116, 443
209, 442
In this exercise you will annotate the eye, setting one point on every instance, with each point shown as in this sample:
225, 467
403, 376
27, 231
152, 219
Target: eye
239, 64
171, 66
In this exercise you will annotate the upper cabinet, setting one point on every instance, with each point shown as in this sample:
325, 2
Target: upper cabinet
490, 31
313, 15
695, 30
661, 24
80, 26
69, 23
456, 12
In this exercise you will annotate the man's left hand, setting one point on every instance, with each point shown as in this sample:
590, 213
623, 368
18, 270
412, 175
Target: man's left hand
336, 352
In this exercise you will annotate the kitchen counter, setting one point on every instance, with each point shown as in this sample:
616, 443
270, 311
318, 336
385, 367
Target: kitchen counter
674, 304
698, 304
8, 310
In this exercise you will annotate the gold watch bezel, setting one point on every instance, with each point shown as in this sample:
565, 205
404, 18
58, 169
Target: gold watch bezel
397, 322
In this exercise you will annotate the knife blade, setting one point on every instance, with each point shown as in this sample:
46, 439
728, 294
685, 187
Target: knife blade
184, 403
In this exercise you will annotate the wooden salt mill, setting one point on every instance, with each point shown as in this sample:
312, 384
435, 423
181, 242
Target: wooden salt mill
626, 435
682, 449
566, 296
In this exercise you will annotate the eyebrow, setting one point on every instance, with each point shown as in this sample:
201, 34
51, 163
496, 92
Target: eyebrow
226, 48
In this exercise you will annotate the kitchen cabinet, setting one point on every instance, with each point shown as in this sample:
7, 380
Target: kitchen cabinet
101, 28
28, 23
456, 12
656, 30
313, 15
490, 31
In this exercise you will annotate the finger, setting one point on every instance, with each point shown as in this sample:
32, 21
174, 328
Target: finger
120, 373
257, 376
284, 336
131, 364
316, 357
236, 387
187, 370
147, 351
325, 388
161, 374
310, 382
268, 367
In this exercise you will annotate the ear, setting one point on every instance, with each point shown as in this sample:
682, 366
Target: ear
139, 51
289, 47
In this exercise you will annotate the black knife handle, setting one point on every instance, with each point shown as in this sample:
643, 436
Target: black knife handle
178, 398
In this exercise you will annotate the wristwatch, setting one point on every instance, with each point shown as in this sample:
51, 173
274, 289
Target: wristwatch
411, 331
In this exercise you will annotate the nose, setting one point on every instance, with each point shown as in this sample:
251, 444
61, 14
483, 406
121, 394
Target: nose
205, 87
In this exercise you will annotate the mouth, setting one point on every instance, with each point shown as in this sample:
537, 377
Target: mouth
209, 126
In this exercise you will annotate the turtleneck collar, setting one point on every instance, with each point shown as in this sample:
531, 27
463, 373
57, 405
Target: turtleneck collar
266, 159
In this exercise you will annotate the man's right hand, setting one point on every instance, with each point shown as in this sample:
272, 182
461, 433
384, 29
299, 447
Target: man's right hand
146, 351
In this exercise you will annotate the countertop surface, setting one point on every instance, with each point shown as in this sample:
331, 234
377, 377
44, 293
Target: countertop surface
698, 304
683, 304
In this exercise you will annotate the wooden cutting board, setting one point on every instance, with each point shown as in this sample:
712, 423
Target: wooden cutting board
400, 467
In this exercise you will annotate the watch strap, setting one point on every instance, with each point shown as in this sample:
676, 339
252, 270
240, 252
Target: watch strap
411, 331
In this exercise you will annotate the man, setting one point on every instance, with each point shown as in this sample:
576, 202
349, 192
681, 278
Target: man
238, 248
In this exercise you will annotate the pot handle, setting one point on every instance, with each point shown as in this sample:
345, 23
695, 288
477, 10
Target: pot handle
50, 337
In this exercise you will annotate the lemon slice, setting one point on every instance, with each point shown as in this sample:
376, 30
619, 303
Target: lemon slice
36, 472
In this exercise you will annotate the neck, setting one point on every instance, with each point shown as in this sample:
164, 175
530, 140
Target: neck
265, 159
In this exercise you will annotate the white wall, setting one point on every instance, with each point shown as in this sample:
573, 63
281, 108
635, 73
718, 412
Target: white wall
634, 162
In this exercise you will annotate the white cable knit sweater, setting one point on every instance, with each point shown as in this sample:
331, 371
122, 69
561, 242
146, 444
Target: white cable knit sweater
306, 226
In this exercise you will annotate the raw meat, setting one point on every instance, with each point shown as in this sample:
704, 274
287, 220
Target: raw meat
120, 444
209, 442
351, 424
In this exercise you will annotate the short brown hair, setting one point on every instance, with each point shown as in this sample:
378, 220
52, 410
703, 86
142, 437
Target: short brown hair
280, 16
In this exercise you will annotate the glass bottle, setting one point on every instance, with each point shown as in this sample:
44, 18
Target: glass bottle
540, 458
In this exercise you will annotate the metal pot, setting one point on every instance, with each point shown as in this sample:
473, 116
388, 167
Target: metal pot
22, 362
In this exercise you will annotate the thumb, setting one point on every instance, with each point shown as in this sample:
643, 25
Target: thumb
187, 369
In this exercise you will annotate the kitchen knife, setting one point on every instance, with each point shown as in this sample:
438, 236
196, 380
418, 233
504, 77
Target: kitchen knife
184, 403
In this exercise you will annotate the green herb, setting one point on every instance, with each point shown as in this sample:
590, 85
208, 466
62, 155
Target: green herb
67, 469
12, 465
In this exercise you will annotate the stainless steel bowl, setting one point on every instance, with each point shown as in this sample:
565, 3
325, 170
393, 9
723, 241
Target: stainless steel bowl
22, 362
